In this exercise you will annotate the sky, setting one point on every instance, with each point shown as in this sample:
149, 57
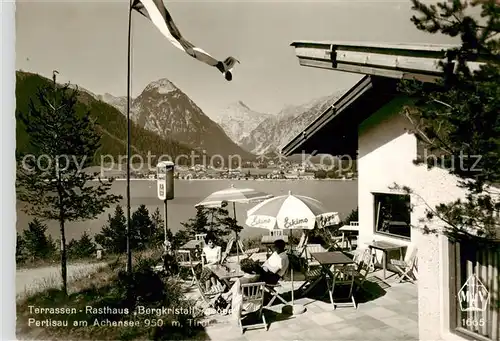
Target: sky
86, 41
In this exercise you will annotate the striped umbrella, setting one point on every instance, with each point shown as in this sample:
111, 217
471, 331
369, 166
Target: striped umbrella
290, 212
287, 212
234, 195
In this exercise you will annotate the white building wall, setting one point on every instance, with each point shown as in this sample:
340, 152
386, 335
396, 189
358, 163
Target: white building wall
386, 153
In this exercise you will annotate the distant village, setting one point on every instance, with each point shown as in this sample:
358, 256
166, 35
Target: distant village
257, 171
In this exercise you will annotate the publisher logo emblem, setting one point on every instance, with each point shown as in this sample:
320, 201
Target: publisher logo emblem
473, 296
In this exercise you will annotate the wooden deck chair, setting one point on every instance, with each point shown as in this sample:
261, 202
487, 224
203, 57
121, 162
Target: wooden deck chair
271, 289
336, 242
407, 269
252, 302
226, 252
363, 266
299, 248
343, 277
309, 250
185, 261
207, 300
201, 238
312, 272
249, 252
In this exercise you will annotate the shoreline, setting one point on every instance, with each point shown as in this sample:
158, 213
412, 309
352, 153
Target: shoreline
154, 180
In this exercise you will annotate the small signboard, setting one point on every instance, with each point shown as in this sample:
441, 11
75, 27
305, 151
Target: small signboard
165, 180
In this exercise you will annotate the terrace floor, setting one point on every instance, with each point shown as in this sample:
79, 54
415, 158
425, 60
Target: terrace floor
389, 313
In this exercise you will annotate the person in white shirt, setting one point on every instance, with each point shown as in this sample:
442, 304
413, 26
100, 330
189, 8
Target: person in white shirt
275, 266
270, 272
212, 254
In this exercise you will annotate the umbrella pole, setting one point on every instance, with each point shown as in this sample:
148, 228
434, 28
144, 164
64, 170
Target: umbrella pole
296, 309
236, 232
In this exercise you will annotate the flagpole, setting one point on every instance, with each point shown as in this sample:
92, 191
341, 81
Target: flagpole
129, 251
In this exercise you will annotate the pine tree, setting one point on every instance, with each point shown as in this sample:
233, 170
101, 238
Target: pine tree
82, 248
158, 228
458, 119
142, 229
198, 224
113, 236
53, 184
21, 253
36, 242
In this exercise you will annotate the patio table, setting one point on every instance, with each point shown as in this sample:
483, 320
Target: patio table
327, 260
385, 247
347, 232
227, 272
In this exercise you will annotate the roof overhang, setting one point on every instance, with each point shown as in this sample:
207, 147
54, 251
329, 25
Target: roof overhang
400, 61
335, 131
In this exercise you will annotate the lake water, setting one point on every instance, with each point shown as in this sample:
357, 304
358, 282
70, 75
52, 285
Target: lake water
340, 196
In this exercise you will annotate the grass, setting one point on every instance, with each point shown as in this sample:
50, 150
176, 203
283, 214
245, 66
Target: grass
54, 262
101, 306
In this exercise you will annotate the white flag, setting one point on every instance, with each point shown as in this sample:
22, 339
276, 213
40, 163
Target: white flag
155, 11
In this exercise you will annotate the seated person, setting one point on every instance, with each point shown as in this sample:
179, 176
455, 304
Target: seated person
170, 265
213, 256
275, 266
270, 272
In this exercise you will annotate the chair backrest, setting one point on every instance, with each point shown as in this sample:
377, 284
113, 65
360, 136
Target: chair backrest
253, 293
411, 254
363, 258
229, 246
200, 238
276, 232
183, 256
301, 246
309, 250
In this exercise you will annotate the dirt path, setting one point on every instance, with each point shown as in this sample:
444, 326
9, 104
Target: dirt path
34, 280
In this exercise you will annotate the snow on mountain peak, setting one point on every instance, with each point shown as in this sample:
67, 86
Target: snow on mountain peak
238, 120
162, 86
243, 105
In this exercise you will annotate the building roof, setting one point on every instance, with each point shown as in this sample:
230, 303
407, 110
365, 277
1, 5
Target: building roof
335, 130
401, 61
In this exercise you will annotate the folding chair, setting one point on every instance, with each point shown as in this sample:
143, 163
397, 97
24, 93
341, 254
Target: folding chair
312, 273
271, 289
336, 242
341, 277
299, 248
185, 261
363, 266
225, 254
248, 253
207, 300
407, 269
201, 238
252, 302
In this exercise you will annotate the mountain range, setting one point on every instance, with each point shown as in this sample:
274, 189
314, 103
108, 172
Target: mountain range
165, 118
160, 105
166, 110
266, 133
111, 124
